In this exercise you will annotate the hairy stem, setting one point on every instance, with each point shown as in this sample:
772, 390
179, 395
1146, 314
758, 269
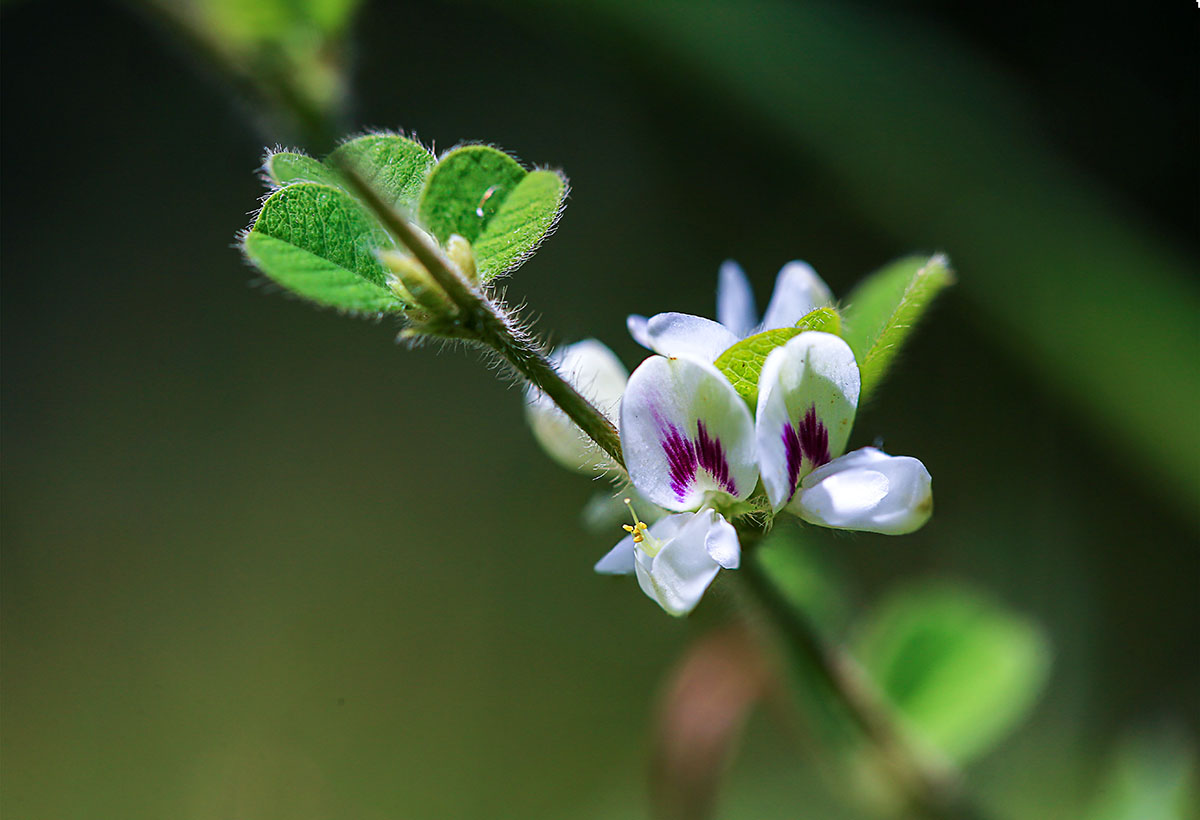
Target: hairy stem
930, 790
486, 322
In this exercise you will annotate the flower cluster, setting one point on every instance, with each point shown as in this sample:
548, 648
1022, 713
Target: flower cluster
693, 447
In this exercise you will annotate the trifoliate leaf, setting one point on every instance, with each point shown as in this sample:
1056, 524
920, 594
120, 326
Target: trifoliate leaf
317, 242
743, 362
961, 670
484, 195
394, 166
885, 307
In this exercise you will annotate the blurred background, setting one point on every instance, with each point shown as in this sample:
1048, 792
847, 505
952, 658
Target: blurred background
261, 562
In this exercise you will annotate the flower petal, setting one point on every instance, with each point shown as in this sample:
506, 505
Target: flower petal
598, 374
798, 291
638, 330
735, 300
807, 395
693, 337
685, 432
682, 570
618, 560
722, 541
867, 490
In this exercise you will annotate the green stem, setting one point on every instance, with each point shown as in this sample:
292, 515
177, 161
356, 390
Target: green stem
930, 790
483, 320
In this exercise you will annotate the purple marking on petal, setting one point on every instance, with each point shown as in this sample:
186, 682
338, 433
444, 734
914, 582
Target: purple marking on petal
685, 457
681, 460
793, 454
814, 438
711, 456
811, 441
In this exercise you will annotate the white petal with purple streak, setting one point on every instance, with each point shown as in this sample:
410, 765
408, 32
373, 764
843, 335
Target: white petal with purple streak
867, 490
686, 433
807, 396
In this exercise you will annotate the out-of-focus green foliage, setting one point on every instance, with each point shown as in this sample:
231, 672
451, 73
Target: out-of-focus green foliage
286, 54
884, 309
1152, 776
273, 20
743, 362
807, 582
960, 669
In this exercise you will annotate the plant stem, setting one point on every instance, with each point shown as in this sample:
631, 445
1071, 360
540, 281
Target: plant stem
486, 322
930, 790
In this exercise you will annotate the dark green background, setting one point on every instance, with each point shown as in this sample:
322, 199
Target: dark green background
260, 562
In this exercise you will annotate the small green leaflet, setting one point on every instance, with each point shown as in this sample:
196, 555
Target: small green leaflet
959, 668
316, 241
395, 166
885, 307
743, 362
484, 195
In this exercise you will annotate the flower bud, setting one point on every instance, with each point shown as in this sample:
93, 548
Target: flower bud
460, 253
413, 283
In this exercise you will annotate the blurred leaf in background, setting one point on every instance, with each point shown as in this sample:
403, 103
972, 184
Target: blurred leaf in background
960, 669
1152, 775
289, 57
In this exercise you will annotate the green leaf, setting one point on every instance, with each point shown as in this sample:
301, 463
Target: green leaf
466, 189
960, 669
885, 307
395, 166
286, 167
743, 362
484, 195
317, 242
522, 222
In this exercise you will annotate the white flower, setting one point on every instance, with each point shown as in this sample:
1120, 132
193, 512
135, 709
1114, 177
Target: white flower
676, 558
798, 291
807, 396
598, 374
688, 441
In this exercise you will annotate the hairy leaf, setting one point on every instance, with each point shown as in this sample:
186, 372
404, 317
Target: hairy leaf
885, 307
395, 166
286, 167
317, 242
524, 218
484, 195
743, 362
959, 668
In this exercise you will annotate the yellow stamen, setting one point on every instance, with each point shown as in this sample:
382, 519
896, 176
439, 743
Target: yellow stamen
640, 532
